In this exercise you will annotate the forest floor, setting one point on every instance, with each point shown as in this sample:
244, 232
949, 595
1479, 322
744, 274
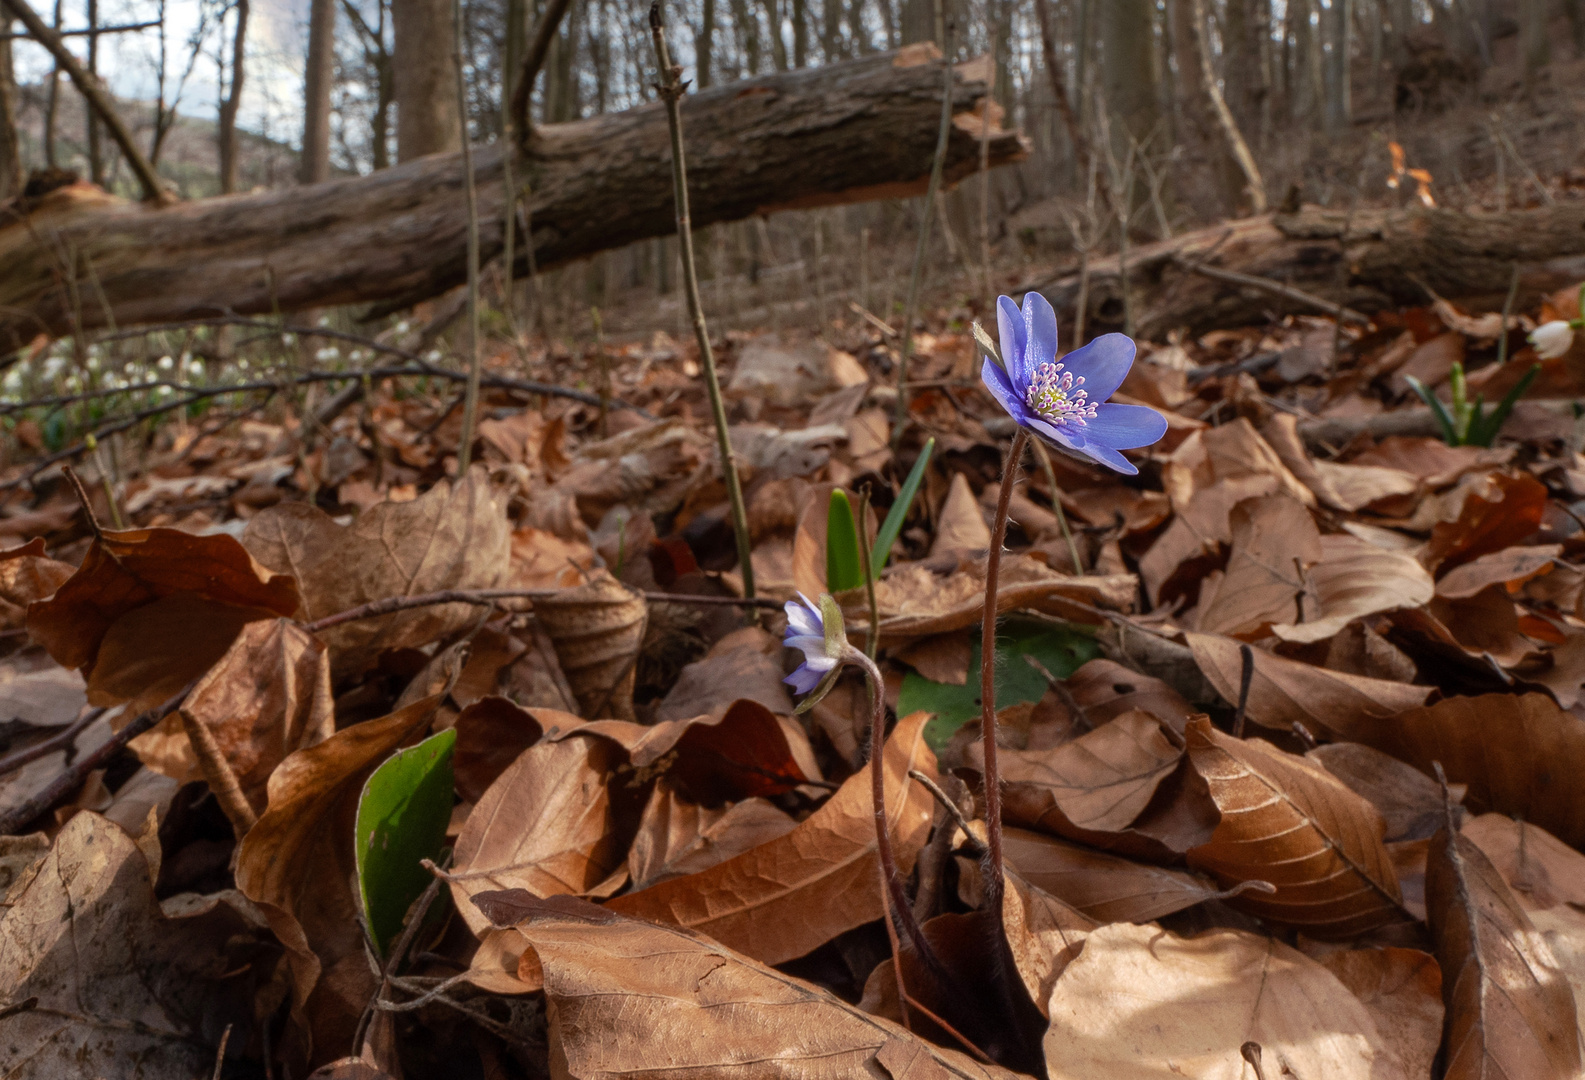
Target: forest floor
1289, 723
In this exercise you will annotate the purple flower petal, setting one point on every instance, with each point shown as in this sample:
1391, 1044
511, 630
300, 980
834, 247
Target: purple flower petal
1103, 364
1001, 389
1053, 434
804, 679
1105, 455
809, 644
1010, 332
1124, 427
801, 620
1040, 324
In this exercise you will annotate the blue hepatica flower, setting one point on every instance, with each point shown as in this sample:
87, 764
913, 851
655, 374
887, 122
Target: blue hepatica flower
1064, 401
806, 631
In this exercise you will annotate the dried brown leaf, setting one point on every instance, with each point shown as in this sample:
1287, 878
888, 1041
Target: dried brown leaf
916, 602
1353, 579
677, 837
454, 536
782, 899
597, 629
28, 575
1409, 801
1500, 510
122, 987
1099, 782
1510, 1012
297, 864
149, 610
1142, 1003
545, 825
1106, 690
746, 666
1284, 691
267, 697
1105, 887
1519, 754
1288, 821
1402, 990
1274, 542
704, 1011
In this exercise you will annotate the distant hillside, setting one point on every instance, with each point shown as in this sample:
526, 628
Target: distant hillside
189, 158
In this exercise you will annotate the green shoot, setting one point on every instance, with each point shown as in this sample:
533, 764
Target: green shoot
1467, 423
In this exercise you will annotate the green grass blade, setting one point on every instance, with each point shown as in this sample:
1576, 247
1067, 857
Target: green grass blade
1484, 428
899, 511
1449, 433
402, 816
843, 571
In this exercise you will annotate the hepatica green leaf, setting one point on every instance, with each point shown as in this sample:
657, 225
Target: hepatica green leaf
402, 816
1062, 650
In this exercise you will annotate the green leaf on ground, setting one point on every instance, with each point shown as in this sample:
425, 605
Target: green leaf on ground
1061, 650
402, 817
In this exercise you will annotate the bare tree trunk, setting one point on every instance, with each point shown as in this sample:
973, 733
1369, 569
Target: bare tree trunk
1304, 98
778, 45
52, 107
11, 172
1391, 257
233, 102
1128, 69
830, 30
399, 235
800, 21
858, 35
315, 164
746, 28
1235, 138
424, 84
703, 49
1534, 43
1339, 22
96, 160
1207, 176
1059, 89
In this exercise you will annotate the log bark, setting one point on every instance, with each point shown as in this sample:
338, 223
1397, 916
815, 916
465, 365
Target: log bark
862, 129
1370, 260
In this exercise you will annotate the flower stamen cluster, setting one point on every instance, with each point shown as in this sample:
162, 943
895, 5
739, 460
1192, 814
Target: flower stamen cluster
1055, 394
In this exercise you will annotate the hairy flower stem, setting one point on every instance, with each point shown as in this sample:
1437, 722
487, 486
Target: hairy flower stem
883, 836
671, 91
993, 776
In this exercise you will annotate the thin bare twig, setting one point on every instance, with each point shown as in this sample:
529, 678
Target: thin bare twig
487, 598
470, 400
99, 101
72, 778
1276, 288
222, 779
59, 741
671, 89
1246, 677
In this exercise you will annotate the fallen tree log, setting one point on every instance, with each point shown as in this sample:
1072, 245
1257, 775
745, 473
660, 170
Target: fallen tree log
76, 258
1368, 260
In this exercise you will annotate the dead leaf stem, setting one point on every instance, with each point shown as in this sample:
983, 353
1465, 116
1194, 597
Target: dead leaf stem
222, 779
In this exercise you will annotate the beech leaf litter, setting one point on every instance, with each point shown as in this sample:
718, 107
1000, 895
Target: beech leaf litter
389, 768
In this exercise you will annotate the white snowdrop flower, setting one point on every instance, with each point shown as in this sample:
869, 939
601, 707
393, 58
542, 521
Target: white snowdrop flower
324, 321
13, 380
164, 391
402, 327
53, 366
92, 363
288, 340
1552, 339
355, 355
165, 363
243, 364
195, 368
432, 356
74, 382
